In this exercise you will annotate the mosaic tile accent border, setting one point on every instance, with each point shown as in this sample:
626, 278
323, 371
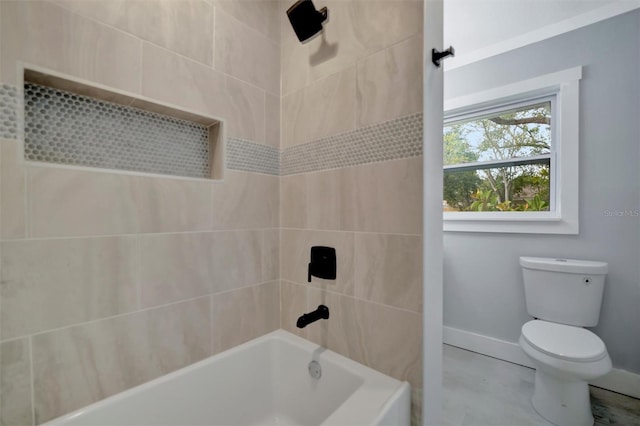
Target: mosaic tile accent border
8, 107
394, 139
252, 157
66, 128
148, 142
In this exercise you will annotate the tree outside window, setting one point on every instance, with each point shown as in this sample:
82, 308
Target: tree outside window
499, 161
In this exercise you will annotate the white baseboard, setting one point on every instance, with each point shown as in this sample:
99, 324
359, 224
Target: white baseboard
620, 381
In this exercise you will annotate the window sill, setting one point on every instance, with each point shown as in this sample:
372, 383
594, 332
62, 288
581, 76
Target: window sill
505, 222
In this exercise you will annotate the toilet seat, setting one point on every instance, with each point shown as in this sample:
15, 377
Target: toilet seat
564, 341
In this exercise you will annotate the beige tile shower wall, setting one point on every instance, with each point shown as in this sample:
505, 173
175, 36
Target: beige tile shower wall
110, 279
165, 50
364, 69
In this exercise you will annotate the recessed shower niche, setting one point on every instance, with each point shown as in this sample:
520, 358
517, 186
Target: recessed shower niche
74, 124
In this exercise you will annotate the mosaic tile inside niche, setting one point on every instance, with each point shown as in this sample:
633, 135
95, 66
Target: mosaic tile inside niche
66, 128
394, 139
8, 105
252, 157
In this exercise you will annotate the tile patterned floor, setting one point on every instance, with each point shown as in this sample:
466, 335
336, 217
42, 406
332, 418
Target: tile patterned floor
480, 390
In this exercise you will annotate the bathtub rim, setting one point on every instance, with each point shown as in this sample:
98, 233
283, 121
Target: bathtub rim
365, 395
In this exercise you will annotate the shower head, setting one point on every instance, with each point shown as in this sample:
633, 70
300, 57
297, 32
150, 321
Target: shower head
305, 19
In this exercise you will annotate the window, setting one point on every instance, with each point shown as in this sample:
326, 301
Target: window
511, 158
500, 160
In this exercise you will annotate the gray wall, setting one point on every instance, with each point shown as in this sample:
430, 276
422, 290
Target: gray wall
483, 290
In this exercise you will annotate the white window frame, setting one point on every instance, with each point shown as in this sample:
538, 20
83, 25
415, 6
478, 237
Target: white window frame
563, 86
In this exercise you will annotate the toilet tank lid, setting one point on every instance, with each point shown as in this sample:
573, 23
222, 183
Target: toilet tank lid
564, 265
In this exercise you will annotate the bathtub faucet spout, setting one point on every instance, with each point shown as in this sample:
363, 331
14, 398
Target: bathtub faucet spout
321, 313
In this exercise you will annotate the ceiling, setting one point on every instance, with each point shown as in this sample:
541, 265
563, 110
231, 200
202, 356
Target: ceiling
482, 28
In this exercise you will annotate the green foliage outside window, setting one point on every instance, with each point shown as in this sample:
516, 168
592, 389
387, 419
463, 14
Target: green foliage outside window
515, 134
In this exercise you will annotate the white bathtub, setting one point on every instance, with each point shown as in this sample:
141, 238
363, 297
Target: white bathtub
263, 382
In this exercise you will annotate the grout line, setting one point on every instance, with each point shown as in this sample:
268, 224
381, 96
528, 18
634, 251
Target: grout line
343, 231
356, 118
141, 72
134, 235
1, 259
94, 20
32, 381
120, 30
251, 30
264, 128
196, 61
138, 272
212, 205
354, 61
263, 238
93, 321
246, 82
280, 303
209, 67
214, 12
415, 114
28, 225
337, 293
136, 312
211, 325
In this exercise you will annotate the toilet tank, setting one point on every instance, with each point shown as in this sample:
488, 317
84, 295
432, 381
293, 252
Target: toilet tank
565, 291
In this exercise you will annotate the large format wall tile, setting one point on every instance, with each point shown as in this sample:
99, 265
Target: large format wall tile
296, 247
12, 191
324, 108
47, 35
293, 303
242, 315
399, 18
293, 201
389, 197
331, 199
171, 78
319, 200
390, 83
173, 205
179, 81
237, 260
334, 333
64, 203
388, 269
161, 22
352, 33
335, 50
15, 383
53, 283
243, 109
272, 120
270, 254
175, 267
263, 16
76, 366
246, 54
371, 334
246, 201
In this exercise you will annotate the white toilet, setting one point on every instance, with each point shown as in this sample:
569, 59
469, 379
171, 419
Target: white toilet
564, 295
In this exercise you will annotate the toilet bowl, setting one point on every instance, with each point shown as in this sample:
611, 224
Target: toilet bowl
564, 295
566, 358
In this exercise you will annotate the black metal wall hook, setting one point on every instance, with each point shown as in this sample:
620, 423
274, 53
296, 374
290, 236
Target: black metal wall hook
436, 56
